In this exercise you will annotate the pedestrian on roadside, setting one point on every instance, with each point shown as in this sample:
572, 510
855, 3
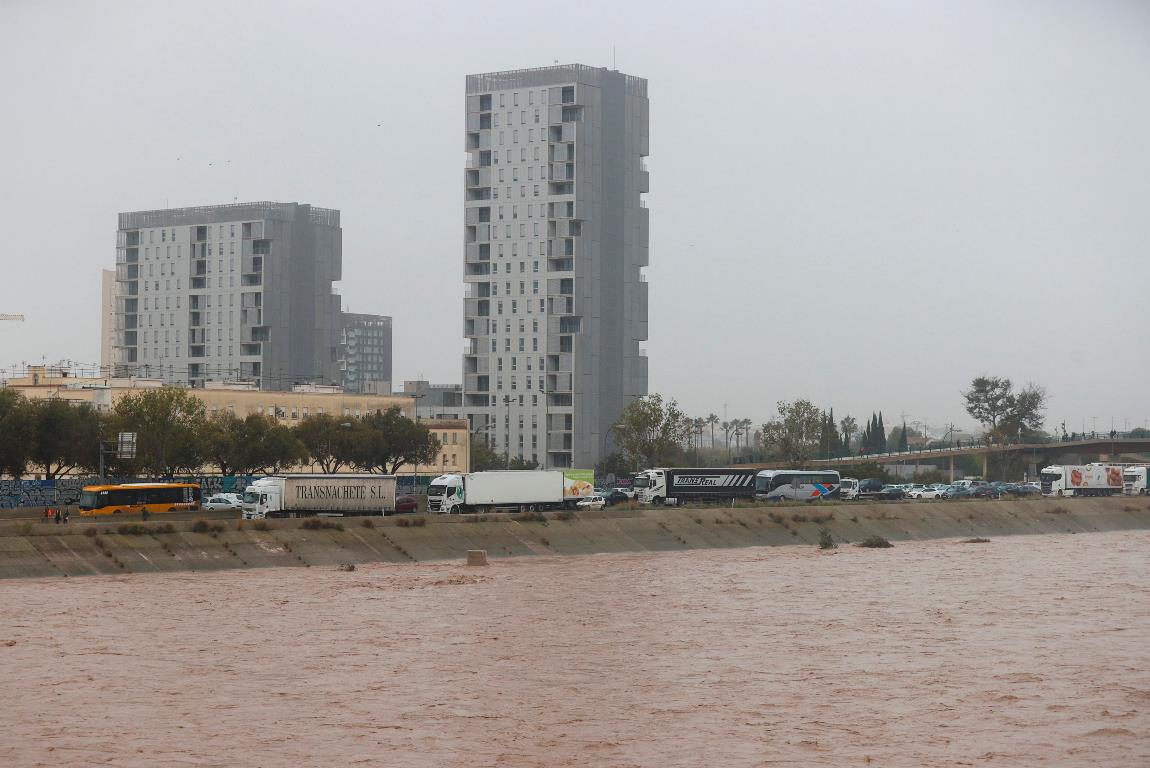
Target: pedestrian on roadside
144, 515
67, 514
57, 517
47, 514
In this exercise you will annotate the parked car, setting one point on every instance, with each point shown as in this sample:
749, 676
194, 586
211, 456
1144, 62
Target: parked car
628, 492
957, 492
926, 493
913, 488
893, 492
592, 502
1026, 489
616, 496
985, 492
223, 501
406, 504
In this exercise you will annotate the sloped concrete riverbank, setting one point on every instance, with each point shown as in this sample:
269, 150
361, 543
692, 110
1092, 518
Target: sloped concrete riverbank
90, 548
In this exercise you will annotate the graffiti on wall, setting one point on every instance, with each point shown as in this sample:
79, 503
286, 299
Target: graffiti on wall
48, 493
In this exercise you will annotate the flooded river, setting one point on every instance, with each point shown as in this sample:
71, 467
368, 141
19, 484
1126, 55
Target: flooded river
1025, 651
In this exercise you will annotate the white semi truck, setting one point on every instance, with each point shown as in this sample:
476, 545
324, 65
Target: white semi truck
1081, 480
509, 490
328, 495
1134, 481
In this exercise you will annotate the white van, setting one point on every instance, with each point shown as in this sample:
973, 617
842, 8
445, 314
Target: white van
969, 483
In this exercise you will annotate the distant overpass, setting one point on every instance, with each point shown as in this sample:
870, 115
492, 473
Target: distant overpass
1041, 454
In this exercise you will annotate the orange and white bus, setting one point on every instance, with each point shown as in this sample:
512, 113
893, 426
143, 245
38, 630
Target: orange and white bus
136, 498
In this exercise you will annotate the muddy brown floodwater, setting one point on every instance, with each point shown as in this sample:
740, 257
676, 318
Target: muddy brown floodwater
1026, 651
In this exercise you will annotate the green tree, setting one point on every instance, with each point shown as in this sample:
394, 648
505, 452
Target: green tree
992, 401
989, 399
615, 464
169, 424
880, 435
223, 442
522, 464
712, 420
66, 436
902, 444
849, 427
272, 447
483, 457
651, 432
793, 436
328, 440
16, 433
384, 441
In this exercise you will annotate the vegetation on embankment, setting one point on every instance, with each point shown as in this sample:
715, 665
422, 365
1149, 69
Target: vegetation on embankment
84, 547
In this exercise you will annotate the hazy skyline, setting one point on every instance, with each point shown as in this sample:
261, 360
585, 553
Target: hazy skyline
863, 205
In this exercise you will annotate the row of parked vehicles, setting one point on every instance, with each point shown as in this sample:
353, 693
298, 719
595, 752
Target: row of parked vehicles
875, 489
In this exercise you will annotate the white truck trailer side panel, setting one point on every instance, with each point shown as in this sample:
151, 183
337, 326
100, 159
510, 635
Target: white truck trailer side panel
513, 487
336, 493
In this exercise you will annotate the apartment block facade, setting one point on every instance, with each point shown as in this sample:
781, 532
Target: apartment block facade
365, 352
239, 292
555, 240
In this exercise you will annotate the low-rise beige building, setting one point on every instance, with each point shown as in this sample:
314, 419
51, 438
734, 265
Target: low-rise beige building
288, 408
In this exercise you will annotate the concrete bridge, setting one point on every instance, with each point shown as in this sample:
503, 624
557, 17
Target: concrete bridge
1040, 454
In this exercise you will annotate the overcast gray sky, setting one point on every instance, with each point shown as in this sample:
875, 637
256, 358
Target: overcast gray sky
863, 204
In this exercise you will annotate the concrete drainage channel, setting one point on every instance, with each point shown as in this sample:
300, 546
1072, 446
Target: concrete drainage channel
82, 548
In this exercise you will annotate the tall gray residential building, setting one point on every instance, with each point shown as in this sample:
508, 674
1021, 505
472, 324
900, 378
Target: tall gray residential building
555, 231
365, 353
229, 292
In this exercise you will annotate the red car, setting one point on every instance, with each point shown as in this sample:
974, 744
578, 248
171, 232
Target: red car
406, 504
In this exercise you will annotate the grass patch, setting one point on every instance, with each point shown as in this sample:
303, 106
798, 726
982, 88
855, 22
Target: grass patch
203, 526
566, 514
797, 518
346, 567
531, 517
320, 524
90, 532
826, 540
262, 525
367, 523
1057, 511
975, 540
875, 542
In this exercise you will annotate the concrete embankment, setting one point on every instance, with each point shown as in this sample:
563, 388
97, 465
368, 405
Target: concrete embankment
83, 547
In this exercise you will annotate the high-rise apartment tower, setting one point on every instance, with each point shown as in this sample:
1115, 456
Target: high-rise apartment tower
229, 292
555, 231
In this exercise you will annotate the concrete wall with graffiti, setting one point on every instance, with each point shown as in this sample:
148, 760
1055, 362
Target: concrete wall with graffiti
48, 493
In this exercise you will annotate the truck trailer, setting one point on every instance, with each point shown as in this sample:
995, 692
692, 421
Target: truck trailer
509, 490
682, 485
1082, 480
328, 495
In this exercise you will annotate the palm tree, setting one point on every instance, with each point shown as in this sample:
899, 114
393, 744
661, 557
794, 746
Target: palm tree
727, 426
712, 419
747, 426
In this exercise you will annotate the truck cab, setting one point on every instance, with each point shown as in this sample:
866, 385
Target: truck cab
849, 488
445, 494
263, 496
650, 486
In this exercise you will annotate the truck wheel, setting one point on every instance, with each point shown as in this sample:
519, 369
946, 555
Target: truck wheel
531, 508
657, 501
1059, 494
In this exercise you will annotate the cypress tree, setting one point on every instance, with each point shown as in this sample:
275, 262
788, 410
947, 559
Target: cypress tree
880, 436
903, 445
